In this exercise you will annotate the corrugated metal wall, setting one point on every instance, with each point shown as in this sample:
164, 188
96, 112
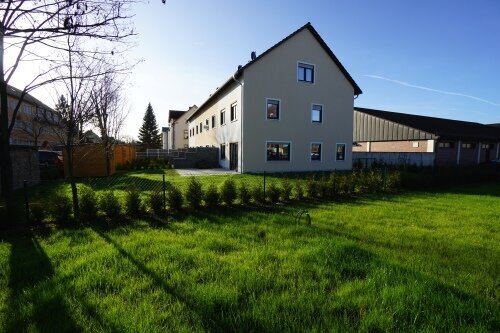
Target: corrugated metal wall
370, 128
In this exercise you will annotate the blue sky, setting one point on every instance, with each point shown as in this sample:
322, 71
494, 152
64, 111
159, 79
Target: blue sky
438, 58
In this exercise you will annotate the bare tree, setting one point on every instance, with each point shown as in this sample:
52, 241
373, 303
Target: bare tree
30, 31
109, 114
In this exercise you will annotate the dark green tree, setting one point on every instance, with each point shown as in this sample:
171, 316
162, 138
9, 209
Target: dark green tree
149, 133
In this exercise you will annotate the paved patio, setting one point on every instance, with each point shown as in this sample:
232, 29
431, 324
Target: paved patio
205, 172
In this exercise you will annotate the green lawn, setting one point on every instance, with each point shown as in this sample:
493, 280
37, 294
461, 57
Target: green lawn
417, 261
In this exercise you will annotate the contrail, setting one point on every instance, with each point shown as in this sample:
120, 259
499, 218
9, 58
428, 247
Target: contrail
431, 89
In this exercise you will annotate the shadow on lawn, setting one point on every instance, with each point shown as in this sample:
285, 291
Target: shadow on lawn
29, 302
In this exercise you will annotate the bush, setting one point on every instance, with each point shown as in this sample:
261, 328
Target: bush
273, 193
244, 194
212, 197
87, 203
228, 192
323, 187
286, 190
312, 188
133, 202
299, 190
257, 194
156, 202
110, 205
174, 199
61, 207
194, 193
37, 213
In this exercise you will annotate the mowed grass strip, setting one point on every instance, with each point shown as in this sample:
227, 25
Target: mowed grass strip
421, 261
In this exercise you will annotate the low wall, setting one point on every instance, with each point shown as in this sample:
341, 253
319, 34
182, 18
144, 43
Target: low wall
418, 159
189, 158
25, 165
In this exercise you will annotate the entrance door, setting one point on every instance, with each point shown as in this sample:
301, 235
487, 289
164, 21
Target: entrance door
233, 156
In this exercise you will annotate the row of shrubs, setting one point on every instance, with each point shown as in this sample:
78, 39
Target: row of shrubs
327, 186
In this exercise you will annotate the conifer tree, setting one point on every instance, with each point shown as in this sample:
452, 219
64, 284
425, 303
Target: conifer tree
149, 133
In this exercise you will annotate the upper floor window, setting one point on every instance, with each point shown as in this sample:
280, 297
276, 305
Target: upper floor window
468, 145
305, 72
196, 129
213, 121
233, 112
223, 117
186, 134
446, 144
317, 113
273, 109
201, 127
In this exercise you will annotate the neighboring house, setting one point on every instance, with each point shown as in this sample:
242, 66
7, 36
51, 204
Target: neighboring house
178, 136
90, 137
289, 109
36, 124
452, 142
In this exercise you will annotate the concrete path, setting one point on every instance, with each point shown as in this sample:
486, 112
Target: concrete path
205, 172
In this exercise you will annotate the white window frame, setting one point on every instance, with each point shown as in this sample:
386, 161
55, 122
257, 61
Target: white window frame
308, 64
320, 149
222, 112
322, 113
279, 109
220, 155
235, 104
345, 151
278, 141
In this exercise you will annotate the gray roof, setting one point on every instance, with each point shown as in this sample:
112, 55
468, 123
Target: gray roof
14, 92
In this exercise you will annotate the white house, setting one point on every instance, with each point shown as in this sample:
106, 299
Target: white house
178, 128
289, 109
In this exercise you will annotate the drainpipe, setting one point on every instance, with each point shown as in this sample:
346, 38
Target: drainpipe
478, 153
458, 152
498, 148
241, 124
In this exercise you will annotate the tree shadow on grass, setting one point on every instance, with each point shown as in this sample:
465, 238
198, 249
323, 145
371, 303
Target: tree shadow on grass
30, 304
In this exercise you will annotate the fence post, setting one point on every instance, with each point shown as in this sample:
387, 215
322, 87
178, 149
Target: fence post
164, 194
264, 198
26, 202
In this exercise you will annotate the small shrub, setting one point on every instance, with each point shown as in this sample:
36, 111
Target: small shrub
174, 199
212, 197
133, 202
156, 202
87, 203
61, 207
194, 193
37, 213
110, 205
323, 187
244, 194
286, 190
273, 193
392, 181
312, 188
299, 189
257, 194
228, 192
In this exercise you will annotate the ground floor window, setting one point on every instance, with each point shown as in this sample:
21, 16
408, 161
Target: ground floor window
315, 151
278, 151
340, 152
446, 144
223, 151
468, 145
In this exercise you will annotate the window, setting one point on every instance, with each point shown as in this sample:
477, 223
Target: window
201, 127
233, 112
196, 129
317, 113
278, 151
186, 146
186, 134
446, 144
487, 146
468, 145
305, 73
316, 152
340, 153
223, 151
213, 121
223, 117
273, 109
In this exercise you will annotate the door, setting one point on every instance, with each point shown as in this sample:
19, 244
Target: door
233, 156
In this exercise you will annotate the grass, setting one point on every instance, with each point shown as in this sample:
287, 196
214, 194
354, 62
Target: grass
418, 261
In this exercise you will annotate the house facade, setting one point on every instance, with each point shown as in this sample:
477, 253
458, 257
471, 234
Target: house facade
36, 124
450, 142
178, 137
289, 109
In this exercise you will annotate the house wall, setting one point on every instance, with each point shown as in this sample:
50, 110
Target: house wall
395, 146
221, 134
25, 166
275, 76
467, 156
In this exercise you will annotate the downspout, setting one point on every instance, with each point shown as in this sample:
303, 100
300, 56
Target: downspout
241, 124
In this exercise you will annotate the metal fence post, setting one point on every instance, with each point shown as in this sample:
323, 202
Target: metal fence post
26, 202
164, 194
264, 198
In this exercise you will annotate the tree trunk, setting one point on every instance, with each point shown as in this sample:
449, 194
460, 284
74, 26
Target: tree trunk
71, 178
6, 173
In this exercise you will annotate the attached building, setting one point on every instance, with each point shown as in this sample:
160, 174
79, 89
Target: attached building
289, 109
178, 129
451, 142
